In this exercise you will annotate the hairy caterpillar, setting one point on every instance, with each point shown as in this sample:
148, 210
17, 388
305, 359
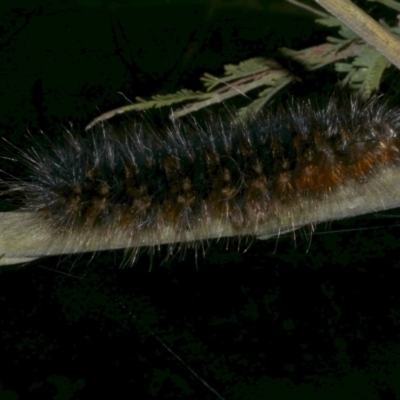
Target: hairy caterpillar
194, 181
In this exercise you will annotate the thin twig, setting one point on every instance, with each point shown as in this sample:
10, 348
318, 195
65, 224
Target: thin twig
366, 27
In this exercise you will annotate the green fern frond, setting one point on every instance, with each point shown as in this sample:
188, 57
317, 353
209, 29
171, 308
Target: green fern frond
244, 69
364, 74
363, 66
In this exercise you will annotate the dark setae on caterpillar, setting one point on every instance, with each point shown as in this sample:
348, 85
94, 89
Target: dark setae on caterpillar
196, 181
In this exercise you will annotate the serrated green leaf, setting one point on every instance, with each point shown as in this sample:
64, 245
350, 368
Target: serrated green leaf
318, 56
365, 72
164, 100
247, 68
275, 79
263, 98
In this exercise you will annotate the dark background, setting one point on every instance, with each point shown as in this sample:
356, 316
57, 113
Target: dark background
314, 318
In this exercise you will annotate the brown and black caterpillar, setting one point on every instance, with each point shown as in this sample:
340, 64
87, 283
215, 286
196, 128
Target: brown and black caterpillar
195, 181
